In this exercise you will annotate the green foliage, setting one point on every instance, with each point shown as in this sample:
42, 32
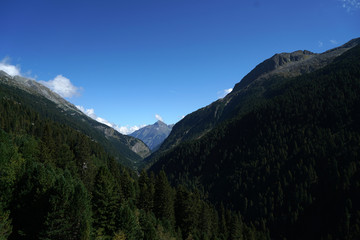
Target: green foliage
147, 191
164, 200
30, 202
10, 167
127, 185
119, 236
128, 223
187, 210
49, 204
69, 215
104, 202
5, 225
147, 222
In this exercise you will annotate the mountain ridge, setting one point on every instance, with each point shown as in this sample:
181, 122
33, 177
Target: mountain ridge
133, 149
294, 63
290, 164
248, 93
34, 87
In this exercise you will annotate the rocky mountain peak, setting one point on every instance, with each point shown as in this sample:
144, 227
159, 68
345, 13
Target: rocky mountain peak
293, 64
160, 123
278, 61
281, 59
153, 135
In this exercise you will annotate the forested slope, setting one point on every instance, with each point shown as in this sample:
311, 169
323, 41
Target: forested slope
248, 93
29, 93
290, 165
58, 183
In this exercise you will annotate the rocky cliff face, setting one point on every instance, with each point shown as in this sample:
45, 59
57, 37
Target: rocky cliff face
133, 143
293, 64
153, 135
35, 88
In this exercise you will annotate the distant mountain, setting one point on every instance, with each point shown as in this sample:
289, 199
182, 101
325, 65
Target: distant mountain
153, 135
282, 148
248, 93
129, 150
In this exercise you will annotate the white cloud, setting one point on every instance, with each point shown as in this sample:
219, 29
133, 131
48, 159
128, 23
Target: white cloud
62, 86
106, 122
350, 5
81, 108
333, 42
121, 129
12, 70
128, 129
158, 117
321, 44
227, 91
224, 92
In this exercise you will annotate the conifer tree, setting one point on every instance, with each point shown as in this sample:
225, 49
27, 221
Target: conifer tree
186, 210
69, 210
223, 229
147, 223
146, 192
30, 204
236, 231
128, 223
105, 202
205, 221
164, 200
127, 186
5, 225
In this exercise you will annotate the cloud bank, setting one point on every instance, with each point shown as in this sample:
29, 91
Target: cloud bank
350, 5
128, 129
62, 86
121, 129
158, 117
8, 68
224, 92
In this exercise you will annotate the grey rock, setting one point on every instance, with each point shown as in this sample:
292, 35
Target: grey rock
153, 135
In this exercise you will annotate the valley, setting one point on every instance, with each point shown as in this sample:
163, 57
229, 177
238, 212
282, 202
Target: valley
277, 158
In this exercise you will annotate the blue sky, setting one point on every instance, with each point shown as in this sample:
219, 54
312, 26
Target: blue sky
125, 62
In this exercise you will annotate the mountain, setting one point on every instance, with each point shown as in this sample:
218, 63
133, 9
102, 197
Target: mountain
129, 150
58, 183
153, 135
282, 148
248, 93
